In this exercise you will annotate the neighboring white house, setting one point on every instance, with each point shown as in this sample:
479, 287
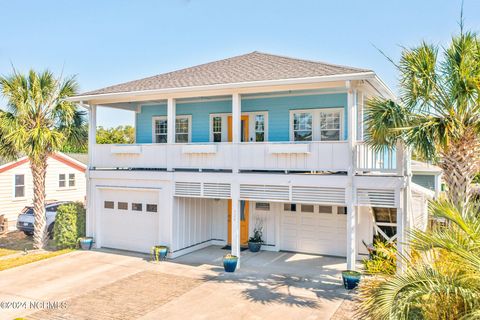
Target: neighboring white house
223, 146
65, 181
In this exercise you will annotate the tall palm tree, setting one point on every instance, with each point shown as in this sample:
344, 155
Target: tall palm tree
442, 282
438, 111
37, 122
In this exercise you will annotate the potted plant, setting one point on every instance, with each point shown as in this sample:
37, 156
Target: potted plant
255, 242
230, 262
85, 243
351, 279
159, 253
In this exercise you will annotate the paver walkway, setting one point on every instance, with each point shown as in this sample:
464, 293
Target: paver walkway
128, 298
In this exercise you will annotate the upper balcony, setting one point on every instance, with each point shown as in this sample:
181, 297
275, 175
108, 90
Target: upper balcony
301, 131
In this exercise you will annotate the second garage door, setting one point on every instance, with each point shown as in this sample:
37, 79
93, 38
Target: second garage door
313, 229
129, 219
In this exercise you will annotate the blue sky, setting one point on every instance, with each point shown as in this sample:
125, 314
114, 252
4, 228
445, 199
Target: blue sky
108, 42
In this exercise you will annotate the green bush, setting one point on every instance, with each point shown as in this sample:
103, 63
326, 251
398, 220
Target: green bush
383, 260
69, 225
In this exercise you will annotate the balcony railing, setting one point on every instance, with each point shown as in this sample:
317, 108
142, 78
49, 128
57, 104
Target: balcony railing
272, 156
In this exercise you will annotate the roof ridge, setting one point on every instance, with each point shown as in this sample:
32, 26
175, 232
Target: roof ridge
314, 61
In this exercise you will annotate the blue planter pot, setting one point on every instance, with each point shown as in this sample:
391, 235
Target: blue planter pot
254, 246
86, 243
230, 264
351, 279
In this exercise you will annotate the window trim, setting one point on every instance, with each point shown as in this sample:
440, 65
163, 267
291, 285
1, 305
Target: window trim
15, 186
316, 136
251, 125
186, 116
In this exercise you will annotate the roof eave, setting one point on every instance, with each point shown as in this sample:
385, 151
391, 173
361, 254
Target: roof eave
368, 75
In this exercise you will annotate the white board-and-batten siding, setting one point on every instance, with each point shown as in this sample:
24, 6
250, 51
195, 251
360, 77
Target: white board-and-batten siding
10, 206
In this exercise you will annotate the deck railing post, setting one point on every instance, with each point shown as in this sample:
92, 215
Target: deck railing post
171, 129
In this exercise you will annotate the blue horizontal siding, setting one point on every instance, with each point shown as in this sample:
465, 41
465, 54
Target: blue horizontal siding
278, 109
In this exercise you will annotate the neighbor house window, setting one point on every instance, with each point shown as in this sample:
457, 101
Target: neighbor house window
290, 207
71, 180
151, 208
122, 205
62, 182
108, 204
160, 130
259, 127
217, 129
137, 207
302, 126
330, 125
19, 186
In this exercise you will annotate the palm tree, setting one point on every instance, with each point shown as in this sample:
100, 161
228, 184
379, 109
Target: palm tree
442, 281
37, 122
438, 111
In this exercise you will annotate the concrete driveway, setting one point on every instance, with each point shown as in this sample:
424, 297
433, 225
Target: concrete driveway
118, 285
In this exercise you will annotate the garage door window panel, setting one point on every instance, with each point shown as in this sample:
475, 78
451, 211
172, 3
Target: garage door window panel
122, 205
309, 208
109, 204
325, 209
290, 207
137, 207
152, 208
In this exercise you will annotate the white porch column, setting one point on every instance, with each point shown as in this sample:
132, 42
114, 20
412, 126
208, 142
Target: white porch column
171, 113
92, 134
350, 192
236, 207
236, 128
171, 116
404, 220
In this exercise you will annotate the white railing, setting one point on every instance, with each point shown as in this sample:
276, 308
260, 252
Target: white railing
321, 156
282, 156
383, 161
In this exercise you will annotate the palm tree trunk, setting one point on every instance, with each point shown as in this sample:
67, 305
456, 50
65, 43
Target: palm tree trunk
39, 169
460, 164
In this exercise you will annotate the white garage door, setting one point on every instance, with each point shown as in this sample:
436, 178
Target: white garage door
129, 219
314, 229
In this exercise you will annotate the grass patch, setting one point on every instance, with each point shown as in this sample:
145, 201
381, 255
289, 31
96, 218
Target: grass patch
6, 252
29, 258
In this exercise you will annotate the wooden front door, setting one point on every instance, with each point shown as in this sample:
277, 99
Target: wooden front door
243, 129
243, 223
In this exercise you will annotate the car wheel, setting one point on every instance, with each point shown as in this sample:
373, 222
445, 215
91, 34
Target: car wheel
28, 233
50, 230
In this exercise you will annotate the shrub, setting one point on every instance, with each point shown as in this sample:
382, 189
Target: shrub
69, 225
383, 260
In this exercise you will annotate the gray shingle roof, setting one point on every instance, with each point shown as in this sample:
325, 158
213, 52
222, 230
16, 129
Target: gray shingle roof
255, 66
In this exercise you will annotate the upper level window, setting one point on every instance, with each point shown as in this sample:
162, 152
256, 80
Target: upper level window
19, 186
182, 129
217, 129
259, 127
160, 130
302, 126
317, 124
330, 125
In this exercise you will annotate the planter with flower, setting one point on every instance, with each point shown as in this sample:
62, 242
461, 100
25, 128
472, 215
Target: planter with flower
255, 242
159, 253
